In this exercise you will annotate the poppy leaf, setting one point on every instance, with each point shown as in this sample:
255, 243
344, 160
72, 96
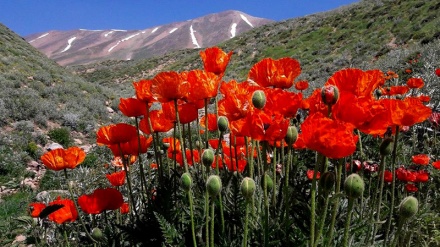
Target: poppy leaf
50, 209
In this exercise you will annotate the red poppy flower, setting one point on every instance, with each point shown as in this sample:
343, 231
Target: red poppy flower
135, 146
125, 208
310, 174
169, 86
403, 174
204, 85
301, 85
279, 73
394, 90
437, 72
332, 138
67, 213
159, 121
132, 107
388, 176
237, 99
408, 112
408, 71
35, 209
422, 176
436, 164
212, 122
59, 159
410, 187
261, 126
420, 159
215, 60
282, 102
116, 178
115, 134
235, 164
101, 200
143, 90
188, 112
415, 83
357, 82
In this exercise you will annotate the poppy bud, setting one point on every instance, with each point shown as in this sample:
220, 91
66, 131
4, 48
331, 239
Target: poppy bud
186, 181
214, 185
247, 187
408, 207
207, 157
329, 95
291, 135
97, 234
259, 99
354, 186
327, 181
268, 181
386, 146
222, 123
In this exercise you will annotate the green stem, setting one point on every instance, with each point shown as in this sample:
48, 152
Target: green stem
190, 198
246, 223
393, 184
212, 223
379, 201
322, 221
398, 233
313, 205
347, 222
336, 202
65, 236
141, 165
265, 198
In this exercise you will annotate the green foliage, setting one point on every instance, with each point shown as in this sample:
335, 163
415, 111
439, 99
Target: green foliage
61, 136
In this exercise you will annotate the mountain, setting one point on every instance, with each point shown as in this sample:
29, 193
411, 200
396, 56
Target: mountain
88, 46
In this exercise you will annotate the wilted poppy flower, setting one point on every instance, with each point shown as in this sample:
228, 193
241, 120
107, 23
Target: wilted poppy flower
310, 174
301, 85
143, 90
434, 119
169, 86
279, 73
59, 159
410, 187
204, 85
159, 122
132, 107
67, 213
215, 60
332, 138
420, 159
125, 208
101, 200
35, 209
116, 134
354, 167
436, 164
415, 83
116, 178
437, 72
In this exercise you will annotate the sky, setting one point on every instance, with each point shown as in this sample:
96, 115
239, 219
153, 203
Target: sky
26, 17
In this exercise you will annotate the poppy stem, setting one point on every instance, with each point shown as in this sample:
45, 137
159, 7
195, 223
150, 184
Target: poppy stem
313, 205
212, 223
393, 184
141, 165
336, 202
265, 194
246, 223
347, 222
179, 132
65, 236
190, 198
206, 123
379, 200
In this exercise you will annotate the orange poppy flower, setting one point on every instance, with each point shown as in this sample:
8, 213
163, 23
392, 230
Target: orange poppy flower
301, 85
215, 60
420, 159
169, 86
125, 208
279, 73
415, 83
261, 126
408, 112
59, 159
356, 82
204, 85
282, 102
190, 155
235, 164
237, 99
118, 162
35, 209
101, 200
159, 122
188, 112
116, 178
143, 90
132, 107
115, 134
67, 213
395, 90
212, 122
332, 138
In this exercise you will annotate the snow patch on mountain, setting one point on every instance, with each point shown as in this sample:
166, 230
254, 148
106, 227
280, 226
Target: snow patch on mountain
172, 30
233, 29
154, 30
124, 39
246, 20
193, 37
39, 37
69, 44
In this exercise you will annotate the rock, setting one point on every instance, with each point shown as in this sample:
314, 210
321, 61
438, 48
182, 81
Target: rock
46, 196
53, 146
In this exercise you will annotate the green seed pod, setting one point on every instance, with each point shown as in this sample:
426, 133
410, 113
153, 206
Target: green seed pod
214, 185
207, 157
259, 99
354, 186
408, 207
386, 147
327, 181
97, 234
291, 135
222, 123
329, 94
268, 181
186, 181
247, 187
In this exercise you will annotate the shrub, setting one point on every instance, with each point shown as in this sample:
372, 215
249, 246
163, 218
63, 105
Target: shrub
61, 136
